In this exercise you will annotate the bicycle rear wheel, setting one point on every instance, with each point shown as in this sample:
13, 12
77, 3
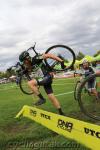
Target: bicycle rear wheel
63, 52
89, 103
24, 86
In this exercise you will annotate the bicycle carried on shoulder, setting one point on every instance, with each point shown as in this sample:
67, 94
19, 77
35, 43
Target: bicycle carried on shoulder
61, 51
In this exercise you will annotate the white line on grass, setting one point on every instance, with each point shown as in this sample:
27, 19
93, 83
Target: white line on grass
62, 84
62, 78
64, 93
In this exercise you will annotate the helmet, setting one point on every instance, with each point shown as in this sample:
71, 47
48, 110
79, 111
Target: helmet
23, 55
85, 61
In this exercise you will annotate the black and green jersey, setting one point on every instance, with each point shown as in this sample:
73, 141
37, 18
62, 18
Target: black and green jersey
38, 62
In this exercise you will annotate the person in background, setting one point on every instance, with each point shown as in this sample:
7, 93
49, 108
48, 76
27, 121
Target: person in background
87, 70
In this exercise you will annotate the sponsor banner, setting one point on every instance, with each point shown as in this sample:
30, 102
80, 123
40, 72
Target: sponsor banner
83, 132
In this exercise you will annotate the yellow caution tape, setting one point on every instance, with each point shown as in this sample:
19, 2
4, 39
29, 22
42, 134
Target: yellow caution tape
83, 132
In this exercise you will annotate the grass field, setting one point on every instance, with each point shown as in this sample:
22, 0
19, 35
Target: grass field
12, 130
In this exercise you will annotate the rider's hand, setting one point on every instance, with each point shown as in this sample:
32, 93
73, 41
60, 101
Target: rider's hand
62, 65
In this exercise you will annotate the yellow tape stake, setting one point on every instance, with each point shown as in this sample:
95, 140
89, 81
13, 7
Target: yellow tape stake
83, 132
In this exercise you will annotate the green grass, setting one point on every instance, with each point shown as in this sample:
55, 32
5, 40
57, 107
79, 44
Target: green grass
11, 129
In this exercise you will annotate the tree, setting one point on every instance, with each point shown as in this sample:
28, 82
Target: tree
3, 75
10, 73
7, 74
98, 53
80, 56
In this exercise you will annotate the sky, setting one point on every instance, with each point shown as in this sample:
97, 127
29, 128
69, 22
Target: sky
75, 23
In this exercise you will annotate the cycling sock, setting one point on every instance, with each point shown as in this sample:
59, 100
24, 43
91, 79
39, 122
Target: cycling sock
60, 111
40, 96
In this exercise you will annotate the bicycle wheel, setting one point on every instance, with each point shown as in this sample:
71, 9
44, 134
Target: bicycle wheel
63, 52
24, 86
90, 103
76, 89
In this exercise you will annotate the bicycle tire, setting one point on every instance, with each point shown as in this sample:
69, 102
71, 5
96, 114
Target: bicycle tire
68, 49
81, 105
22, 87
75, 90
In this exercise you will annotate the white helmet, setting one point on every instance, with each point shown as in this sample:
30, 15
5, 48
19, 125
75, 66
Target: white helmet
85, 61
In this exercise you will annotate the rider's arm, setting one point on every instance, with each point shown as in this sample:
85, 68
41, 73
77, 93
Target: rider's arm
91, 70
82, 74
98, 72
45, 56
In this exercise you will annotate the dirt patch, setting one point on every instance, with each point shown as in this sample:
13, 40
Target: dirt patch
80, 116
16, 128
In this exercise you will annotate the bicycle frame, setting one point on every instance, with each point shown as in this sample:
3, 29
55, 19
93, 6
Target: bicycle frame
33, 48
85, 87
83, 101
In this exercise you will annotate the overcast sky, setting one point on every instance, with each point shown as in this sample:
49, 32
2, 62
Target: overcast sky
75, 23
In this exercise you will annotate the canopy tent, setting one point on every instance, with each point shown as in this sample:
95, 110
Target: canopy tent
77, 62
97, 58
58, 66
88, 58
12, 77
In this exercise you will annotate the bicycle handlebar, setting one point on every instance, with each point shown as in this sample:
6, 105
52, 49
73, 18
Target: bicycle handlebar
33, 47
78, 73
22, 69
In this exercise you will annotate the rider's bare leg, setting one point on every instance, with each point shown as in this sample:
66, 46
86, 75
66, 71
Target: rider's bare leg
34, 87
94, 91
55, 102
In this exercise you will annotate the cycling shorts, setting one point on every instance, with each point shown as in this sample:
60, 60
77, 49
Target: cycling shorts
46, 82
91, 84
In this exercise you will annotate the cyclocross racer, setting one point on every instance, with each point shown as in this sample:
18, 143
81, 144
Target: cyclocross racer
46, 82
87, 70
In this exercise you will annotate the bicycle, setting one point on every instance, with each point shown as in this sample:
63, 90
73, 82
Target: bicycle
77, 86
62, 51
23, 75
87, 100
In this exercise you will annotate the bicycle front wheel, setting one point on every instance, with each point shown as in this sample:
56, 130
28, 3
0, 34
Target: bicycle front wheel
24, 85
63, 52
76, 89
90, 103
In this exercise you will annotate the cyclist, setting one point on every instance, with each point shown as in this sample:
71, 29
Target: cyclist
87, 70
46, 82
